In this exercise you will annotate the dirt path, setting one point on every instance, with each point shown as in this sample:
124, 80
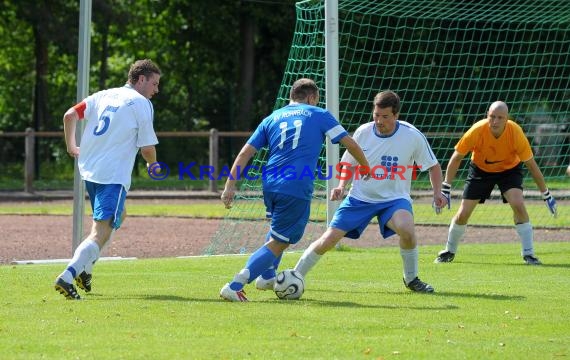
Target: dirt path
39, 237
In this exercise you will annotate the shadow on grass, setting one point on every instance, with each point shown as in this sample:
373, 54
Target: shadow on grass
302, 302
350, 304
563, 266
331, 303
153, 297
436, 293
175, 298
480, 296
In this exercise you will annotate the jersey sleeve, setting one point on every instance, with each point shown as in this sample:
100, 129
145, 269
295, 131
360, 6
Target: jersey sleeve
333, 129
146, 135
424, 156
522, 145
259, 137
346, 156
467, 141
89, 104
80, 108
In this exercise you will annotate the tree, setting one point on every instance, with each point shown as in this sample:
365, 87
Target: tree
214, 74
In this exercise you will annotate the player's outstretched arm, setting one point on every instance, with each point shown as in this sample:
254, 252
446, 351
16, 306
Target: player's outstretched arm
538, 178
453, 166
337, 193
450, 172
356, 151
439, 198
149, 154
70, 119
240, 162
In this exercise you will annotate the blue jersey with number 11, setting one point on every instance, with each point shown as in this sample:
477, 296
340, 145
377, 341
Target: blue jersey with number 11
294, 136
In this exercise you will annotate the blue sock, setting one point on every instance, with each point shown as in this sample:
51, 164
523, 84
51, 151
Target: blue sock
271, 272
258, 262
72, 271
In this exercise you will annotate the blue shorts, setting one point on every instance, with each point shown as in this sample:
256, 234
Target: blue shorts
353, 216
289, 216
107, 202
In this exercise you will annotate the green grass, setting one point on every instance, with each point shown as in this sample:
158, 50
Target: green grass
15, 183
488, 214
487, 305
192, 209
10, 181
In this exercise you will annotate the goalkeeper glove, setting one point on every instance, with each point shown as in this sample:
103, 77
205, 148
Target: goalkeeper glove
550, 202
446, 191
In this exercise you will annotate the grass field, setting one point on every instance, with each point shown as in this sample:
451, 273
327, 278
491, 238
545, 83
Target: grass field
489, 214
487, 305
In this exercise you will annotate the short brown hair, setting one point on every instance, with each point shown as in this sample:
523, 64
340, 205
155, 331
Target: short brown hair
142, 67
386, 99
302, 88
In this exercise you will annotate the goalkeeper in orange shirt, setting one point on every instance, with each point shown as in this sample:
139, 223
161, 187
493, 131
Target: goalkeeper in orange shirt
499, 147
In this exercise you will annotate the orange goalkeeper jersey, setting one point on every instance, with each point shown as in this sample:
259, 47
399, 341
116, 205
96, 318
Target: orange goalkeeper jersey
491, 154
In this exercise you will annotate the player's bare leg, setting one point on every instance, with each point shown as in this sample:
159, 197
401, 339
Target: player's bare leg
313, 253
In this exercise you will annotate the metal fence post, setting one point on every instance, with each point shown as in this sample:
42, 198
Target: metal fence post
29, 166
214, 146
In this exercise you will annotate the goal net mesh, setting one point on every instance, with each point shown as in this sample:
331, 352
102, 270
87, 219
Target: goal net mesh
448, 60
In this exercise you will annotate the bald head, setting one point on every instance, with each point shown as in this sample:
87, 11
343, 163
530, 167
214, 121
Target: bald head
500, 106
497, 116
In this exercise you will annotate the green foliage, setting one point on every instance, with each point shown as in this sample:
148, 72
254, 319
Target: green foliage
501, 310
16, 70
197, 45
448, 61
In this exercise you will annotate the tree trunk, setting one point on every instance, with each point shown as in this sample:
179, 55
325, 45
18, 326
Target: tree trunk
103, 68
247, 61
40, 112
40, 88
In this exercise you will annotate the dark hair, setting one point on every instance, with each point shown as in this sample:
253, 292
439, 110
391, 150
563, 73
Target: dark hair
302, 88
386, 99
142, 67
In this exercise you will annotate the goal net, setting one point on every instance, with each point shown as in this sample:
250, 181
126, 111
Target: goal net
448, 60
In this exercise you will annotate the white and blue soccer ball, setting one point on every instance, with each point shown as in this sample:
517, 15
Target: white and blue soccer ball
289, 285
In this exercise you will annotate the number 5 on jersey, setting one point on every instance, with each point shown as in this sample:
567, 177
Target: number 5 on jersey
105, 120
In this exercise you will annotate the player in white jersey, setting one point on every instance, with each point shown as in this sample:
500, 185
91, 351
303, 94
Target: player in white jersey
396, 151
119, 122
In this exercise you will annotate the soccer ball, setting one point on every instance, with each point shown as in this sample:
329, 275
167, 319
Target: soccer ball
289, 285
568, 170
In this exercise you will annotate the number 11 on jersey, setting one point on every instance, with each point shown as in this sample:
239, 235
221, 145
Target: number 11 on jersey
283, 127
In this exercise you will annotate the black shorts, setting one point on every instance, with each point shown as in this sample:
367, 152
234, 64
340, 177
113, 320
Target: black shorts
479, 183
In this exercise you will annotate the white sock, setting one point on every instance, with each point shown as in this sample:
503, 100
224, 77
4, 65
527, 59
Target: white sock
242, 276
410, 260
454, 235
307, 261
86, 252
89, 265
525, 233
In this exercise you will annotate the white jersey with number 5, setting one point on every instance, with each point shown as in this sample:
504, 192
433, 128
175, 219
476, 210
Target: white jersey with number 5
396, 160
118, 122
